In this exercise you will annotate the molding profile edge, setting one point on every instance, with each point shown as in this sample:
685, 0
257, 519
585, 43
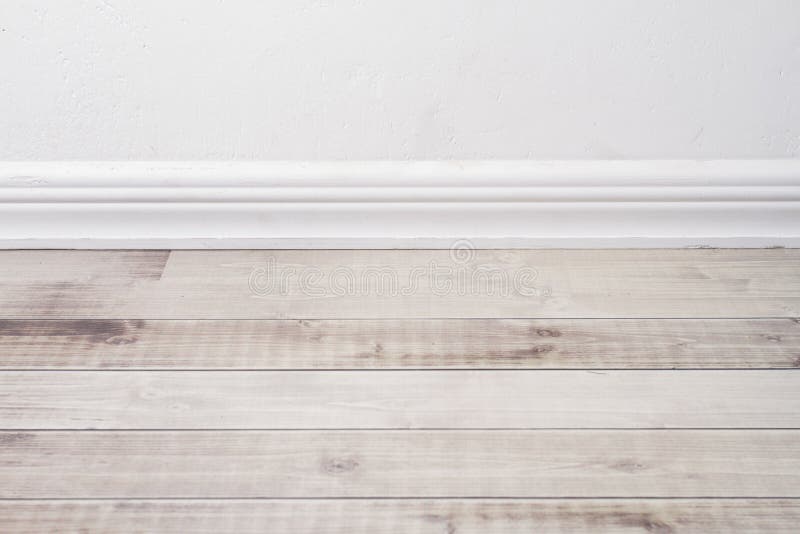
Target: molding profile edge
413, 204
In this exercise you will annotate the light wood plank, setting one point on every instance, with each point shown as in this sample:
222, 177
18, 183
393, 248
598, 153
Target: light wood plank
392, 516
399, 283
544, 463
400, 344
398, 399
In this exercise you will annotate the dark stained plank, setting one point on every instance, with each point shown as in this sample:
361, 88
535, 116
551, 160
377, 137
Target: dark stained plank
613, 516
453, 399
401, 344
303, 284
406, 463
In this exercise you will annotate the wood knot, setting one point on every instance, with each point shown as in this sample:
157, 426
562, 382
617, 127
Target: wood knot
539, 349
337, 466
628, 466
120, 340
654, 525
645, 522
547, 332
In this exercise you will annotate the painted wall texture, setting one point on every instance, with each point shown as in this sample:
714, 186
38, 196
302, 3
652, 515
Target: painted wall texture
388, 79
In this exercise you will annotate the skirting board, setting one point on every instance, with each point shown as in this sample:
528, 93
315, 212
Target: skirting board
493, 204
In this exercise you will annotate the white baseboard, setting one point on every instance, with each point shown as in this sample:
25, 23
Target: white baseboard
495, 204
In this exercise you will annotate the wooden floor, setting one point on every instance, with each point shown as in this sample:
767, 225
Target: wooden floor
361, 392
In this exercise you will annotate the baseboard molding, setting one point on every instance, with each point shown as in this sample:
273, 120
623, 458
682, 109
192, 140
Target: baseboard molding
494, 204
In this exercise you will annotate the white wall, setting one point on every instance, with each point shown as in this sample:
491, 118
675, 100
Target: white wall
418, 79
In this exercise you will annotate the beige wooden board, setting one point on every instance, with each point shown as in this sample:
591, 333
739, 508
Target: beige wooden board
399, 344
405, 463
398, 399
585, 516
400, 283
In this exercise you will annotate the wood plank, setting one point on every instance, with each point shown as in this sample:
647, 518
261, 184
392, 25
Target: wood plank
400, 344
613, 516
340, 284
398, 399
408, 463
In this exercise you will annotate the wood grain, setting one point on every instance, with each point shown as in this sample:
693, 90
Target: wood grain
401, 344
363, 404
399, 284
613, 516
398, 399
407, 463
